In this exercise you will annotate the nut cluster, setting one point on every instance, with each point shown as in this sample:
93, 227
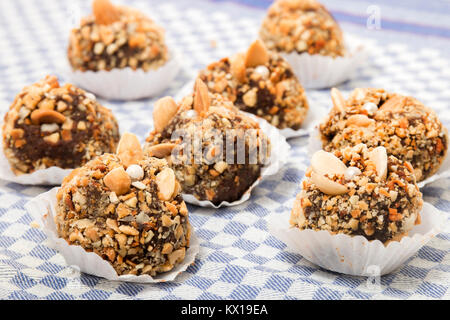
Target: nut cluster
116, 37
405, 127
262, 83
357, 191
204, 113
49, 125
303, 26
127, 208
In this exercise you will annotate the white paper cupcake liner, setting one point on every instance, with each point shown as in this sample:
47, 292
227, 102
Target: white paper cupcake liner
319, 72
279, 156
45, 177
315, 144
43, 210
356, 255
315, 114
127, 84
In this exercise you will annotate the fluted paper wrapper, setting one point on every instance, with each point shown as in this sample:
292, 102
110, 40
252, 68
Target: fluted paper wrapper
355, 255
319, 72
279, 155
45, 177
315, 144
43, 210
127, 84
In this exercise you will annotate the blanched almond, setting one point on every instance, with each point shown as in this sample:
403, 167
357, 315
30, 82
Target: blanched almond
161, 150
118, 181
324, 162
379, 157
105, 12
327, 186
129, 150
257, 54
166, 183
47, 116
237, 66
164, 110
338, 100
201, 97
395, 103
359, 120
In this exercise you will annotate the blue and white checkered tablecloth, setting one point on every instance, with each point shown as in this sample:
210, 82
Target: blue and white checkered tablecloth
238, 258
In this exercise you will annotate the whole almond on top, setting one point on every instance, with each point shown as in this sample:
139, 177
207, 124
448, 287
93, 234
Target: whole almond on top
165, 109
237, 66
379, 157
338, 100
166, 183
118, 181
396, 103
161, 150
129, 149
323, 162
105, 12
201, 97
47, 116
257, 54
328, 186
359, 120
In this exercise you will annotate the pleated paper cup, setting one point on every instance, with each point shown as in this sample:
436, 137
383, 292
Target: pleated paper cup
43, 210
320, 72
315, 144
45, 177
355, 255
279, 156
127, 84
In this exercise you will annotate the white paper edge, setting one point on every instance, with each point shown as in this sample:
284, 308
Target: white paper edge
327, 247
90, 262
126, 83
315, 144
320, 72
278, 158
49, 177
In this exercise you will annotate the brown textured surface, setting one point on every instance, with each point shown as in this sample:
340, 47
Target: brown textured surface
409, 130
88, 129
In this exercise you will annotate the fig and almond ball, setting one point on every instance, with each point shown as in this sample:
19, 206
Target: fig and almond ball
51, 125
302, 26
356, 191
260, 82
126, 208
216, 151
116, 37
403, 125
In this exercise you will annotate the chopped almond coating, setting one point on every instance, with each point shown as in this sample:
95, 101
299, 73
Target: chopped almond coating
49, 125
404, 126
260, 82
303, 26
210, 177
116, 37
127, 223
356, 191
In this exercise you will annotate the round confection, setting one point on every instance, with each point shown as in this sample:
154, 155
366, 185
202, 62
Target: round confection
302, 26
359, 192
262, 83
134, 217
116, 37
49, 125
409, 130
215, 170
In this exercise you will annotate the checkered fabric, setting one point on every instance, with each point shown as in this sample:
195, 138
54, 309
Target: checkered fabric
238, 258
